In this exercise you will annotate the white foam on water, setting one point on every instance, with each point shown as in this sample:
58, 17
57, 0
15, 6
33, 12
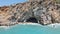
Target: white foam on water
56, 25
29, 24
5, 27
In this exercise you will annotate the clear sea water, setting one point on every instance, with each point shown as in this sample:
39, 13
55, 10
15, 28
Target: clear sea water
30, 29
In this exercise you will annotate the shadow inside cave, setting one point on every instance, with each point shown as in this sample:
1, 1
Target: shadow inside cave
32, 19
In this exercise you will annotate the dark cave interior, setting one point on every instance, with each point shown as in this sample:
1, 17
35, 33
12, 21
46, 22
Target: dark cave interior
32, 19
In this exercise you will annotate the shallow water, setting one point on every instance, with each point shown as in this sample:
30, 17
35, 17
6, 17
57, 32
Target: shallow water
29, 29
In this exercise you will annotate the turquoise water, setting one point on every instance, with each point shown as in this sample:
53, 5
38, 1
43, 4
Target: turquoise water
30, 29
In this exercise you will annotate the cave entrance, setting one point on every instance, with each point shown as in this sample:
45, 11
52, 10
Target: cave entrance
32, 19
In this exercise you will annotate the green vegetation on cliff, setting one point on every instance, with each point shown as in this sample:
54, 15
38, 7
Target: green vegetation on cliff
58, 1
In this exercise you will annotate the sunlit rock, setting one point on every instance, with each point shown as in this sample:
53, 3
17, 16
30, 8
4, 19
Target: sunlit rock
43, 12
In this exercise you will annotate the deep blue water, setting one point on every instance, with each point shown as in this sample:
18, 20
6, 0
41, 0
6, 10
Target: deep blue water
30, 29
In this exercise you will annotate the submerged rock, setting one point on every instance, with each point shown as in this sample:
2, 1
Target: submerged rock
44, 12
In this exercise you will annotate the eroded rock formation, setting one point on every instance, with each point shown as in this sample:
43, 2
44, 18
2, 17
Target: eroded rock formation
44, 11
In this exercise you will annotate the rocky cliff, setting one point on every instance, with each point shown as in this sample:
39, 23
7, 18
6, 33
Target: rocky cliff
35, 11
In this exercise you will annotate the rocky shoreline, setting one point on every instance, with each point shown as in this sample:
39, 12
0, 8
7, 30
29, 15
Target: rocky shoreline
43, 12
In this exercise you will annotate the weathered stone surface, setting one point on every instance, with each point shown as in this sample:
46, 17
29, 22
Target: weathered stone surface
45, 11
